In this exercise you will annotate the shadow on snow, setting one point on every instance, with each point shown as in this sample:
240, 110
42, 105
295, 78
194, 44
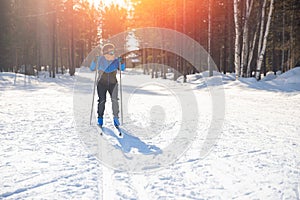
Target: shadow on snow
129, 142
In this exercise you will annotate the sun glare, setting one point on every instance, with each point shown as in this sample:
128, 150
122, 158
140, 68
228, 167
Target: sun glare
108, 2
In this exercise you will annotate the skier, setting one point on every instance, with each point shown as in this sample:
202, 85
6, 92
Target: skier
107, 66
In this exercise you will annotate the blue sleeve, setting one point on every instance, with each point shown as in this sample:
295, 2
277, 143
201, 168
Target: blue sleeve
92, 65
101, 65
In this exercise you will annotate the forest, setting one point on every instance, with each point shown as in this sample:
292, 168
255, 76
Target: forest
247, 37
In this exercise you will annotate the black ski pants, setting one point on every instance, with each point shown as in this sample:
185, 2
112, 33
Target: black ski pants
102, 90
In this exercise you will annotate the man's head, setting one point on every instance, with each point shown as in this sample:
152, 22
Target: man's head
108, 49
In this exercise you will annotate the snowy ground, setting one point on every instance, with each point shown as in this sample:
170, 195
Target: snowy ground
257, 156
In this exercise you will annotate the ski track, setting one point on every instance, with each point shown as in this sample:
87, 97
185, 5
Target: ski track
40, 153
256, 156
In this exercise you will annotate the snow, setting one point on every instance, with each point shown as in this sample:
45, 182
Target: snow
256, 156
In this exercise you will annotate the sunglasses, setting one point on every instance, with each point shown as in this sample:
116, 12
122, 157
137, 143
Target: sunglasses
110, 53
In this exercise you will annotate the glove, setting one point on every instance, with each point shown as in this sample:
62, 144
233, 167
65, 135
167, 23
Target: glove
122, 64
120, 59
123, 67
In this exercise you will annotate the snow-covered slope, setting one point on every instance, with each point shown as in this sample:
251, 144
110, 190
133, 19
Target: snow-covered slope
257, 156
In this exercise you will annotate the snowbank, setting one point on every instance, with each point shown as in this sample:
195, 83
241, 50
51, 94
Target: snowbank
287, 82
290, 77
270, 76
10, 79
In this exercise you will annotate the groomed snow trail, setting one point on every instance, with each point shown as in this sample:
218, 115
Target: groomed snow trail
257, 156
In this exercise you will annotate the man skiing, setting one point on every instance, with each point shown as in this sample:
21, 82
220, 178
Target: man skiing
107, 66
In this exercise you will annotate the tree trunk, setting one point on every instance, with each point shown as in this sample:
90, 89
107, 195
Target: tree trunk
237, 53
252, 47
228, 39
292, 49
53, 45
210, 68
245, 47
283, 38
262, 25
72, 67
265, 39
61, 60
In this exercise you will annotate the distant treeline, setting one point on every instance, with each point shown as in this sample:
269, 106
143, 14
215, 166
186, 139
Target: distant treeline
60, 34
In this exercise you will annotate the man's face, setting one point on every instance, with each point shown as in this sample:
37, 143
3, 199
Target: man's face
110, 55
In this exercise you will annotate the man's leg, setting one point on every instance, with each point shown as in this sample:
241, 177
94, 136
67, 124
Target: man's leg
113, 91
101, 90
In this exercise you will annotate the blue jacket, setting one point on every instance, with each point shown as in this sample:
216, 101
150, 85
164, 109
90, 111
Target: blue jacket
107, 69
106, 65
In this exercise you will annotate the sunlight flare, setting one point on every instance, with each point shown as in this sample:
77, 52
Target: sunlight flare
121, 3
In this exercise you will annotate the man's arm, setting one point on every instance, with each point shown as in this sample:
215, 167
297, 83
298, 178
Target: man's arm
93, 65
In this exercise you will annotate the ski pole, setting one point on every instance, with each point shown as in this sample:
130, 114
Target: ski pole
91, 116
121, 96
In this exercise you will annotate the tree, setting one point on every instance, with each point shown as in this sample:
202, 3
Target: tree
245, 44
5, 36
237, 53
264, 31
209, 39
113, 20
237, 36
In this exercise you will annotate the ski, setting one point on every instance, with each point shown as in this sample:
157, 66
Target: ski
119, 130
101, 129
116, 127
